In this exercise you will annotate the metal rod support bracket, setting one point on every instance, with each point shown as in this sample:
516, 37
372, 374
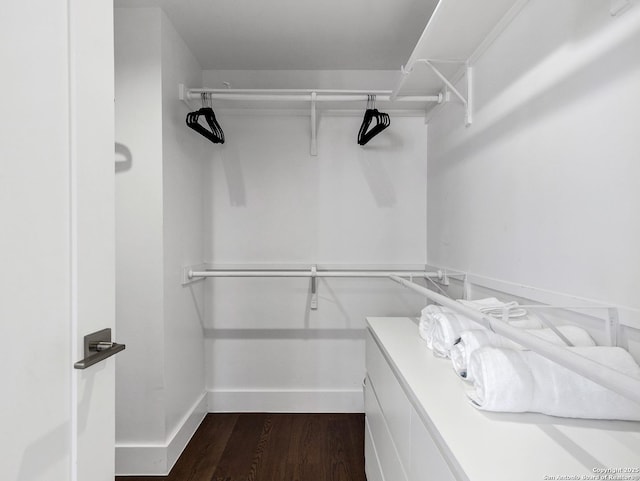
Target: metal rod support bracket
613, 326
466, 288
187, 274
183, 95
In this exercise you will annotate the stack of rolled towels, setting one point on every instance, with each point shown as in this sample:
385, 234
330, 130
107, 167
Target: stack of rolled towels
473, 339
441, 327
505, 377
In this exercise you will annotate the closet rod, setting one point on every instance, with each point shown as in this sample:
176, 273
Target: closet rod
617, 381
312, 273
322, 95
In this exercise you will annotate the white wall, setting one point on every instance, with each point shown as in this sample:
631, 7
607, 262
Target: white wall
542, 188
302, 79
160, 395
139, 240
271, 203
183, 163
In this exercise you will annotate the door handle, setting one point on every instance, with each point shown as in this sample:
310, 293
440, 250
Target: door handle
98, 347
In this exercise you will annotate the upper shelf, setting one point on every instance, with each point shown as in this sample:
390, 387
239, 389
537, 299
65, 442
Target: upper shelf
456, 31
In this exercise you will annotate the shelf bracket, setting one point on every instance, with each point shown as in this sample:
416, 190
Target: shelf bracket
469, 104
314, 125
448, 84
313, 304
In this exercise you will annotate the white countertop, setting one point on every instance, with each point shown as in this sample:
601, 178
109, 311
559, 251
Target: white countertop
501, 446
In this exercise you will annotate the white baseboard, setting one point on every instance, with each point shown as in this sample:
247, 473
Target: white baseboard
185, 431
286, 401
158, 459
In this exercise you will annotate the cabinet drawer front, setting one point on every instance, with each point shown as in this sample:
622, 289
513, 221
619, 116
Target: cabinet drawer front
427, 463
372, 467
384, 447
395, 405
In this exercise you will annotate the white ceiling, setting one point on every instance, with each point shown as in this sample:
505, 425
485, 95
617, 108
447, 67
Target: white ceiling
297, 34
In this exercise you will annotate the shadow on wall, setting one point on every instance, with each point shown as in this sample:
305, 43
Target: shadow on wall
546, 89
49, 450
198, 300
53, 447
123, 157
285, 333
232, 165
371, 158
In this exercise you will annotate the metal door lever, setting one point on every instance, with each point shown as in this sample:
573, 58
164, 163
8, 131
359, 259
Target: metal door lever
98, 347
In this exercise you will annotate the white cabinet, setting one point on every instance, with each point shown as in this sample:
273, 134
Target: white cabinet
387, 465
396, 436
391, 400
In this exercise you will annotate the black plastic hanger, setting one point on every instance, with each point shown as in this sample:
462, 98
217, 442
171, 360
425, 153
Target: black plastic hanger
214, 132
371, 114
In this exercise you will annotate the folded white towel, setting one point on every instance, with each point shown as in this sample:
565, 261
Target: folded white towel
526, 323
507, 380
495, 307
476, 338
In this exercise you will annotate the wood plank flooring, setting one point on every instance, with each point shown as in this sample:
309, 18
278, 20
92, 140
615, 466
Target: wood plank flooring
272, 447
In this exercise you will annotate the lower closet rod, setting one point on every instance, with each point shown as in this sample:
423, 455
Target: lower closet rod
617, 381
312, 273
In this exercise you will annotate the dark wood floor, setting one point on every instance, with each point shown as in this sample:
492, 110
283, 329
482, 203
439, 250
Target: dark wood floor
272, 447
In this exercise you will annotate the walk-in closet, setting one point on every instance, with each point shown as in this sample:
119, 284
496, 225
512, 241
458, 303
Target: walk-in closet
321, 241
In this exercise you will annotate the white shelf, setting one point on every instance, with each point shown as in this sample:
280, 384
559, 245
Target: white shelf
498, 446
457, 32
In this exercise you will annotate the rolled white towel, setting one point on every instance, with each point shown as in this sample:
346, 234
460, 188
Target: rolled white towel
507, 380
470, 341
447, 327
428, 321
476, 338
446, 332
495, 307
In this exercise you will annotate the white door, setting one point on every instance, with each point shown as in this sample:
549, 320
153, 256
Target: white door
56, 238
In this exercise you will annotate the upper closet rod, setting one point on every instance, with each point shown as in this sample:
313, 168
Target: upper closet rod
306, 95
617, 381
310, 96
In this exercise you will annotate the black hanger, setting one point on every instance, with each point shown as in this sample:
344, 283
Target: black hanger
371, 114
214, 133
